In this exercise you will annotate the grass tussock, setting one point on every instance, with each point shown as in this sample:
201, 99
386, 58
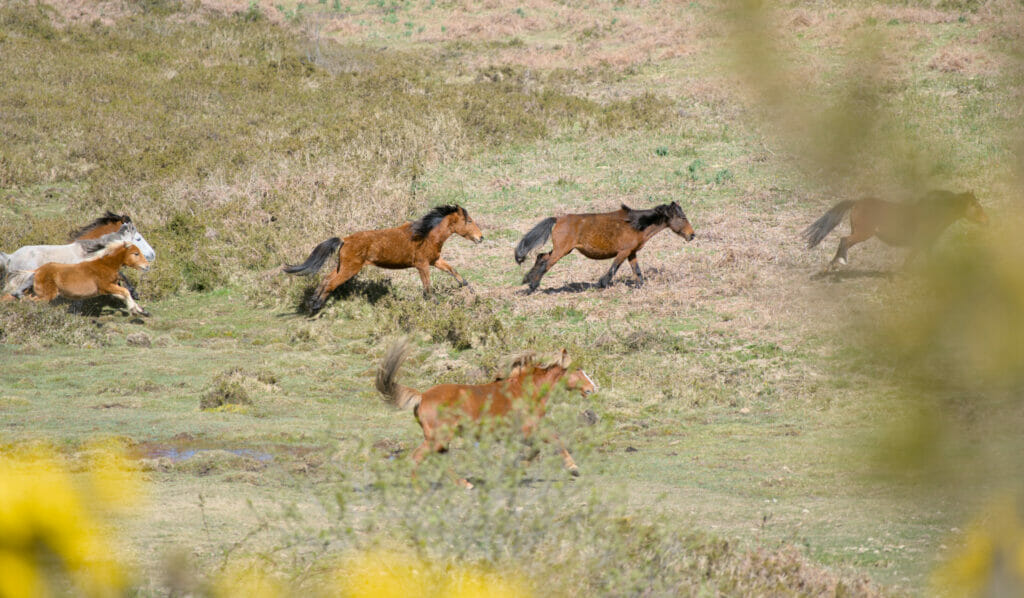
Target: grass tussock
31, 323
236, 387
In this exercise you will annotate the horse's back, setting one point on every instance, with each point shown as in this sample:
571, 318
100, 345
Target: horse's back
386, 248
598, 235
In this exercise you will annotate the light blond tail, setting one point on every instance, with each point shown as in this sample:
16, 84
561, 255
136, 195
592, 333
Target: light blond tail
400, 397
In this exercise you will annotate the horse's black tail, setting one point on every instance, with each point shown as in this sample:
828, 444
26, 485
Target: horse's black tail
814, 233
316, 260
537, 235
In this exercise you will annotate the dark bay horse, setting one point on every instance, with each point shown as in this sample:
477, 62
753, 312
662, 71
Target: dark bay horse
915, 225
87, 279
440, 410
412, 245
619, 235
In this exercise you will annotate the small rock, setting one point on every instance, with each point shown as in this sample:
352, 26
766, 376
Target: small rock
630, 449
745, 410
588, 417
139, 339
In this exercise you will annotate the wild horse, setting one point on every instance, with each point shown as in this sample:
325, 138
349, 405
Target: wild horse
411, 245
619, 235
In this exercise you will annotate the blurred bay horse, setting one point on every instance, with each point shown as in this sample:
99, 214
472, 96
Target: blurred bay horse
619, 235
915, 225
411, 245
440, 409
18, 265
85, 279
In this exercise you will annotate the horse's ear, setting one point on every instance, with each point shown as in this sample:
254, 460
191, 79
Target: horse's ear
564, 360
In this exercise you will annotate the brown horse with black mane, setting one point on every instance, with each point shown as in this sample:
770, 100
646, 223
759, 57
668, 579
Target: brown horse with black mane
619, 235
107, 223
440, 410
915, 225
412, 245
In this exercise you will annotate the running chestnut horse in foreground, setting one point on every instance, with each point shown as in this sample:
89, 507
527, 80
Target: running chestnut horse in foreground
440, 410
89, 278
619, 235
412, 245
915, 225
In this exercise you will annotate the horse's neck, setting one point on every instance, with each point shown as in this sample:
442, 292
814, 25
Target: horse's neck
654, 229
114, 259
546, 376
440, 233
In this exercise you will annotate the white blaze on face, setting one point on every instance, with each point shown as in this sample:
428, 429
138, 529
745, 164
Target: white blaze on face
592, 383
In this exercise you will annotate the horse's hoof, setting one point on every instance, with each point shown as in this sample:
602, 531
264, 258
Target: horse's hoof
574, 471
144, 313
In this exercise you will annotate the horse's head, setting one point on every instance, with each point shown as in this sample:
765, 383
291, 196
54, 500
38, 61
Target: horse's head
575, 379
463, 225
129, 233
134, 258
972, 208
678, 223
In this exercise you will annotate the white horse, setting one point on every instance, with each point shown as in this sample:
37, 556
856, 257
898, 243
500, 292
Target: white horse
18, 266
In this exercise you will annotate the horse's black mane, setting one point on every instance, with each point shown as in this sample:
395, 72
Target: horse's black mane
107, 218
422, 227
942, 198
641, 219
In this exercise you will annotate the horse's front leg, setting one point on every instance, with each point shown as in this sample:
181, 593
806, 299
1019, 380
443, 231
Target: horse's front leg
606, 280
127, 284
119, 291
636, 270
424, 270
440, 264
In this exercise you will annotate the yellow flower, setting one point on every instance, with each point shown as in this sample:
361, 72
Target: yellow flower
383, 574
991, 554
43, 513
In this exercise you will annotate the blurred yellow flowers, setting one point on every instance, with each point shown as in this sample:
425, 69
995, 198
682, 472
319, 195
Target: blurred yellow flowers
382, 574
990, 561
51, 529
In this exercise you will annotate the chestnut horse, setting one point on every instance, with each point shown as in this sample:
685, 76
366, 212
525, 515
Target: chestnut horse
440, 410
619, 234
412, 245
108, 223
915, 225
89, 278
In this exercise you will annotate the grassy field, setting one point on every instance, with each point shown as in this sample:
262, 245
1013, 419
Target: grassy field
745, 404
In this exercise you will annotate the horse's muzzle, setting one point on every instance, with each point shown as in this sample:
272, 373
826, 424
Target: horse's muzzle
479, 240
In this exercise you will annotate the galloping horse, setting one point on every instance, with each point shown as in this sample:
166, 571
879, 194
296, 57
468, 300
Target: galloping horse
619, 234
87, 279
916, 225
106, 224
412, 245
442, 408
18, 264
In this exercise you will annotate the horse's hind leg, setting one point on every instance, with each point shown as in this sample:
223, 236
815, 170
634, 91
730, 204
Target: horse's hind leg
636, 270
845, 244
543, 264
346, 270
